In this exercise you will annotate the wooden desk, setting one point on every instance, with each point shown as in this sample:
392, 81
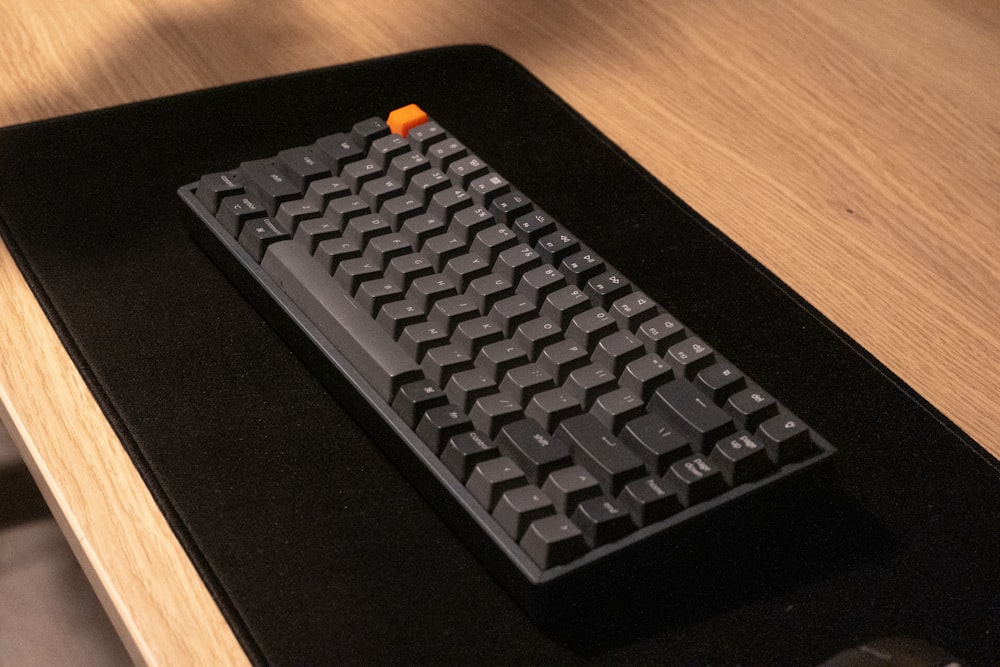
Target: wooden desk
853, 147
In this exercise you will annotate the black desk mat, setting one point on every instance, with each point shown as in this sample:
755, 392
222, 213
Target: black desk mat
316, 549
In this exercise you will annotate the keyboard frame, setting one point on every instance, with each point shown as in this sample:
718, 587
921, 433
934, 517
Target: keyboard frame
422, 468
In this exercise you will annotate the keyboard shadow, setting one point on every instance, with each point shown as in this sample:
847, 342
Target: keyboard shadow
760, 554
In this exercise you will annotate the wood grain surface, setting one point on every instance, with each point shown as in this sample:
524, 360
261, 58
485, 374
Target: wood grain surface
853, 147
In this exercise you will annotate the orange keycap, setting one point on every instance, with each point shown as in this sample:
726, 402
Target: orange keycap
403, 119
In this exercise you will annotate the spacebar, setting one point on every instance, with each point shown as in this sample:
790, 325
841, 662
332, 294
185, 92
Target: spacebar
367, 347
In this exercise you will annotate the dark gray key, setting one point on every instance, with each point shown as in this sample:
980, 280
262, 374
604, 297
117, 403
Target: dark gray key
493, 412
385, 148
590, 326
602, 520
786, 437
534, 335
385, 247
751, 406
404, 269
440, 363
493, 240
468, 222
344, 209
742, 458
553, 541
366, 131
442, 248
508, 207
539, 282
441, 424
514, 262
500, 357
398, 210
512, 312
373, 294
397, 315
364, 228
465, 451
557, 246
660, 332
488, 187
720, 381
562, 305
378, 191
649, 500
616, 408
236, 210
451, 311
487, 290
690, 356
656, 442
420, 228
356, 174
463, 269
533, 449
352, 272
426, 290
404, 167
519, 507
422, 136
311, 232
616, 351
331, 252
265, 182
568, 487
302, 166
473, 334
258, 234
425, 184
448, 202
632, 310
697, 479
466, 387
324, 190
607, 288
524, 382
589, 382
562, 358
339, 149
415, 398
581, 267
464, 169
549, 408
491, 479
595, 448
681, 404
212, 188
532, 226
416, 339
373, 353
645, 374
443, 153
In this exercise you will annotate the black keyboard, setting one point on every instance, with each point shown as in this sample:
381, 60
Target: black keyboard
555, 414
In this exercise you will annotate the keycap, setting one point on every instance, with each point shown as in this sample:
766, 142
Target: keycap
697, 479
492, 478
602, 520
533, 449
597, 449
520, 507
553, 540
694, 413
650, 499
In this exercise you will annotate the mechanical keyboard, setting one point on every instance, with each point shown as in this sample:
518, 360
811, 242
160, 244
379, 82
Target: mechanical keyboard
554, 414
